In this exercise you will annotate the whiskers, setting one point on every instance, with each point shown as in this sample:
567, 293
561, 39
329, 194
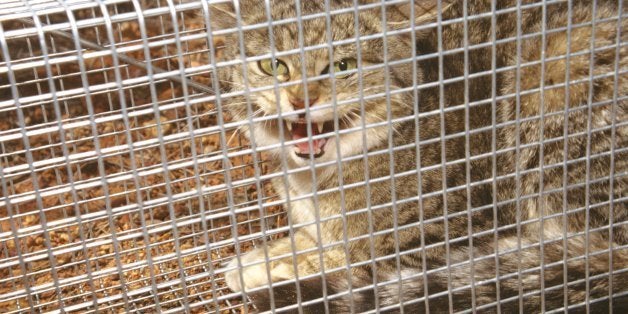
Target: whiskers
375, 118
375, 111
259, 113
372, 112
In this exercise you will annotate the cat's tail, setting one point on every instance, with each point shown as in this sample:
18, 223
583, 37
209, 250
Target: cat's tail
335, 286
335, 295
592, 274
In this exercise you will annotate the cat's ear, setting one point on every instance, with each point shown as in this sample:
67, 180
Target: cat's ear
425, 11
222, 16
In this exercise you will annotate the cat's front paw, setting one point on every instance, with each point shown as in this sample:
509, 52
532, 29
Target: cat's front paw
255, 275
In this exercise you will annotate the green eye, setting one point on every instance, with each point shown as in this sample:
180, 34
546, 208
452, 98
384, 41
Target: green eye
342, 66
266, 66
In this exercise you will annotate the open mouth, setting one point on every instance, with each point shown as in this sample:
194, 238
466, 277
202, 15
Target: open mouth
298, 130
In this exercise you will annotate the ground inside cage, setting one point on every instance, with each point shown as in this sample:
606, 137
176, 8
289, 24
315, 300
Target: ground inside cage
102, 251
108, 208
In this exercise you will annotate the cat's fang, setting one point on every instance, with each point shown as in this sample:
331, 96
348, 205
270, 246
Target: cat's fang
289, 126
320, 127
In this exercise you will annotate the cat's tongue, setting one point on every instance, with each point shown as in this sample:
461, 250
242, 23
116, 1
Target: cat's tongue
299, 131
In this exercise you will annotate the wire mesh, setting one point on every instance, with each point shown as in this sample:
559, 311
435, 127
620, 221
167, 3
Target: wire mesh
113, 174
129, 185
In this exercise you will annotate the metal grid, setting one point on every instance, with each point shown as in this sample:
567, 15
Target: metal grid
126, 185
114, 173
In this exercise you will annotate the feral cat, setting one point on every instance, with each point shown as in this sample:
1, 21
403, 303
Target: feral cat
534, 214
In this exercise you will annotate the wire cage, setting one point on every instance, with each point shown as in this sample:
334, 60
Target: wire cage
123, 185
128, 185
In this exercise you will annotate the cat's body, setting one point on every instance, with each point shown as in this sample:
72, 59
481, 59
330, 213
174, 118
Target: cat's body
492, 176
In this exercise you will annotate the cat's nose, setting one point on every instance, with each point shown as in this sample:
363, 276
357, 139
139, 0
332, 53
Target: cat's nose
299, 103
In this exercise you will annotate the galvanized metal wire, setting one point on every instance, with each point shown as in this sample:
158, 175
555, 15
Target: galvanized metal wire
126, 185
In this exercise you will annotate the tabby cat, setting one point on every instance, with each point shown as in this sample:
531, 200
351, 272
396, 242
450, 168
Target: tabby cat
520, 203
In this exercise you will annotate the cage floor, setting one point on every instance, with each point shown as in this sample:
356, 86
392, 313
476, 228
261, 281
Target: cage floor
132, 261
124, 210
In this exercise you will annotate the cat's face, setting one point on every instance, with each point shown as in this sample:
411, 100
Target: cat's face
319, 116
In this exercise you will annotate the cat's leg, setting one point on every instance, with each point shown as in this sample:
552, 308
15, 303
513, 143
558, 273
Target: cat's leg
256, 267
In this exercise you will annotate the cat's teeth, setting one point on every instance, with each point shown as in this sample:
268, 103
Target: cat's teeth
289, 126
320, 127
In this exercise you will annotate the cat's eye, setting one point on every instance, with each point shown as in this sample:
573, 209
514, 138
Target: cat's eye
340, 67
266, 66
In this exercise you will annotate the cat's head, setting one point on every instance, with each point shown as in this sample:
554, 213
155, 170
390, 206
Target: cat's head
324, 84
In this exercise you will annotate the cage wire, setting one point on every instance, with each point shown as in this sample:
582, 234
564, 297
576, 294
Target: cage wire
126, 185
121, 189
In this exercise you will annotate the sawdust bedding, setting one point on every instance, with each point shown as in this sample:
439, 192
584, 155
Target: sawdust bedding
103, 244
